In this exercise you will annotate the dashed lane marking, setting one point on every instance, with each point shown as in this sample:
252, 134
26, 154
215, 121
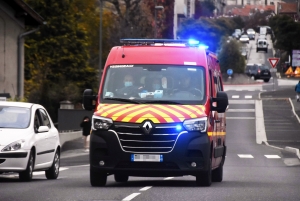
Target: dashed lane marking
43, 172
272, 156
130, 197
241, 110
245, 156
240, 118
145, 188
235, 96
247, 97
168, 178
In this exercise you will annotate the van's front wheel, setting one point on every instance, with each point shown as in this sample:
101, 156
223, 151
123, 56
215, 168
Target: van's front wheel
204, 179
97, 177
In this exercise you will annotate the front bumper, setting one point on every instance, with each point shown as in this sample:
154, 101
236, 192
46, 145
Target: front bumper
13, 161
189, 147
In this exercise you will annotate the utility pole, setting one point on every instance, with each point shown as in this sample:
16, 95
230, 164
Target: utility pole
100, 38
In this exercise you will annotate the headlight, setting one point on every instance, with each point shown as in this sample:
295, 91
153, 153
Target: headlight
199, 124
101, 123
14, 146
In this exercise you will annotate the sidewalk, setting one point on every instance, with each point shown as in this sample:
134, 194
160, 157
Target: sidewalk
73, 148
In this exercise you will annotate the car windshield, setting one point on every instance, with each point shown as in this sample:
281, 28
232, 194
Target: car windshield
244, 36
161, 84
14, 117
264, 68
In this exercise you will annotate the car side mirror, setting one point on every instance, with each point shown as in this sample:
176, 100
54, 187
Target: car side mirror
43, 129
222, 102
89, 100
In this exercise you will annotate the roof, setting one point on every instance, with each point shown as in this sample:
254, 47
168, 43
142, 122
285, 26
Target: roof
247, 10
24, 10
287, 7
16, 104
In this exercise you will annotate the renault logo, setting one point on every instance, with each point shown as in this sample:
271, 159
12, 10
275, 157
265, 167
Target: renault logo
147, 127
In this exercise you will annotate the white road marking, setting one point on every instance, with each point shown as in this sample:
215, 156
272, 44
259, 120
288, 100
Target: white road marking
260, 124
241, 110
130, 197
145, 188
43, 172
272, 156
245, 156
241, 102
242, 118
168, 178
248, 96
235, 96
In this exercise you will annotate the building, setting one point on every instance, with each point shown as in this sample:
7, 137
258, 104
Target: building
15, 15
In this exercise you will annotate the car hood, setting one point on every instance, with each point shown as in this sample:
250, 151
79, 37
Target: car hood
8, 136
156, 113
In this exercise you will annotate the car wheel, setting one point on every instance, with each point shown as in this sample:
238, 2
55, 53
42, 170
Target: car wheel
266, 80
204, 179
27, 174
121, 178
53, 172
97, 177
256, 50
266, 51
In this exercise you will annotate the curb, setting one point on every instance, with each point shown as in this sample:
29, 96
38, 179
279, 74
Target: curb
293, 108
293, 150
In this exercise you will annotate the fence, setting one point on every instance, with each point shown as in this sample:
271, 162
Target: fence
69, 120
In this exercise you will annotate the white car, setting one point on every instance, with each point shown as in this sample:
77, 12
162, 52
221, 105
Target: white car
244, 39
250, 31
28, 140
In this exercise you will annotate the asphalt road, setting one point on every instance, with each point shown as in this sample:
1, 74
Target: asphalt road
252, 171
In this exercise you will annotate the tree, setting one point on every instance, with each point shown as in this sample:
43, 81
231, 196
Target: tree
231, 58
286, 31
56, 56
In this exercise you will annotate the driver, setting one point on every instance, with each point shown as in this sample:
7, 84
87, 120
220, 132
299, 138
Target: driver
185, 85
129, 90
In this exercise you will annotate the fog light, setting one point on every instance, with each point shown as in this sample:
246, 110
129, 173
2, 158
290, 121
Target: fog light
101, 163
193, 164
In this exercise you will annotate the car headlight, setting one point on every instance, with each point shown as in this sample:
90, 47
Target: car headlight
101, 123
14, 146
199, 124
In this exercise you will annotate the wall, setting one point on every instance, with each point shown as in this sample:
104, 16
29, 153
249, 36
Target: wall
10, 28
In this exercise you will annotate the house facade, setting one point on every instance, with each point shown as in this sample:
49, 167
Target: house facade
14, 16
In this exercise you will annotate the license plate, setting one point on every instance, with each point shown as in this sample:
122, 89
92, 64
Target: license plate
266, 73
146, 158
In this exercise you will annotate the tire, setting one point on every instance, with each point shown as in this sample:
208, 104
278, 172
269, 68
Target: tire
53, 171
26, 175
217, 174
266, 51
97, 178
266, 80
256, 50
204, 179
121, 178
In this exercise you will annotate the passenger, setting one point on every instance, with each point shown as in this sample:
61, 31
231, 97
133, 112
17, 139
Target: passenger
186, 86
156, 84
129, 90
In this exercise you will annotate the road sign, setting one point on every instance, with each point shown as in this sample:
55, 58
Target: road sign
229, 72
273, 61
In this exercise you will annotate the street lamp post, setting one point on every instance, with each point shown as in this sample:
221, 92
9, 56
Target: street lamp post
100, 38
155, 16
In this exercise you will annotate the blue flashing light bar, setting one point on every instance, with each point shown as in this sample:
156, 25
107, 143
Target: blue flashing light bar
193, 42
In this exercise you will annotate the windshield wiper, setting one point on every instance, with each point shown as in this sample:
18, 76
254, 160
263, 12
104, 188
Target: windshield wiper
163, 102
124, 100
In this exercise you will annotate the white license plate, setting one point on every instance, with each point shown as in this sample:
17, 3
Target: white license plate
146, 157
265, 73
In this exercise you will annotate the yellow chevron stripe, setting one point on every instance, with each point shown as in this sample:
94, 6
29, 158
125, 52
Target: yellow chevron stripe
188, 113
216, 133
127, 110
178, 115
147, 116
201, 108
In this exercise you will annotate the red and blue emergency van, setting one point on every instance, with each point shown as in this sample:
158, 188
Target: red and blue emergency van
159, 112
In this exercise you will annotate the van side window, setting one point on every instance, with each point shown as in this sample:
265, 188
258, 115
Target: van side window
211, 84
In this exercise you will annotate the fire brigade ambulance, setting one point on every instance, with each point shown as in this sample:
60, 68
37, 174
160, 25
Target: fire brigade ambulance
159, 112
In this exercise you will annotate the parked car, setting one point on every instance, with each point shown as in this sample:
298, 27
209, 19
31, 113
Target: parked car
238, 32
251, 36
250, 31
244, 51
244, 38
258, 71
262, 45
28, 140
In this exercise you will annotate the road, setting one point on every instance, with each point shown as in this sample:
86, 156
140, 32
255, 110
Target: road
252, 171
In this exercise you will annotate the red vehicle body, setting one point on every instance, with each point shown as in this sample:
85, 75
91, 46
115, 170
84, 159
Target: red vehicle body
168, 119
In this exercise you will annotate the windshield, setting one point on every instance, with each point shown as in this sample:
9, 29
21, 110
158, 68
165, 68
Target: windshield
161, 84
14, 117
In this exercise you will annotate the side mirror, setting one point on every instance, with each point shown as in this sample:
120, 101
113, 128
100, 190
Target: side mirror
89, 100
43, 129
222, 102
